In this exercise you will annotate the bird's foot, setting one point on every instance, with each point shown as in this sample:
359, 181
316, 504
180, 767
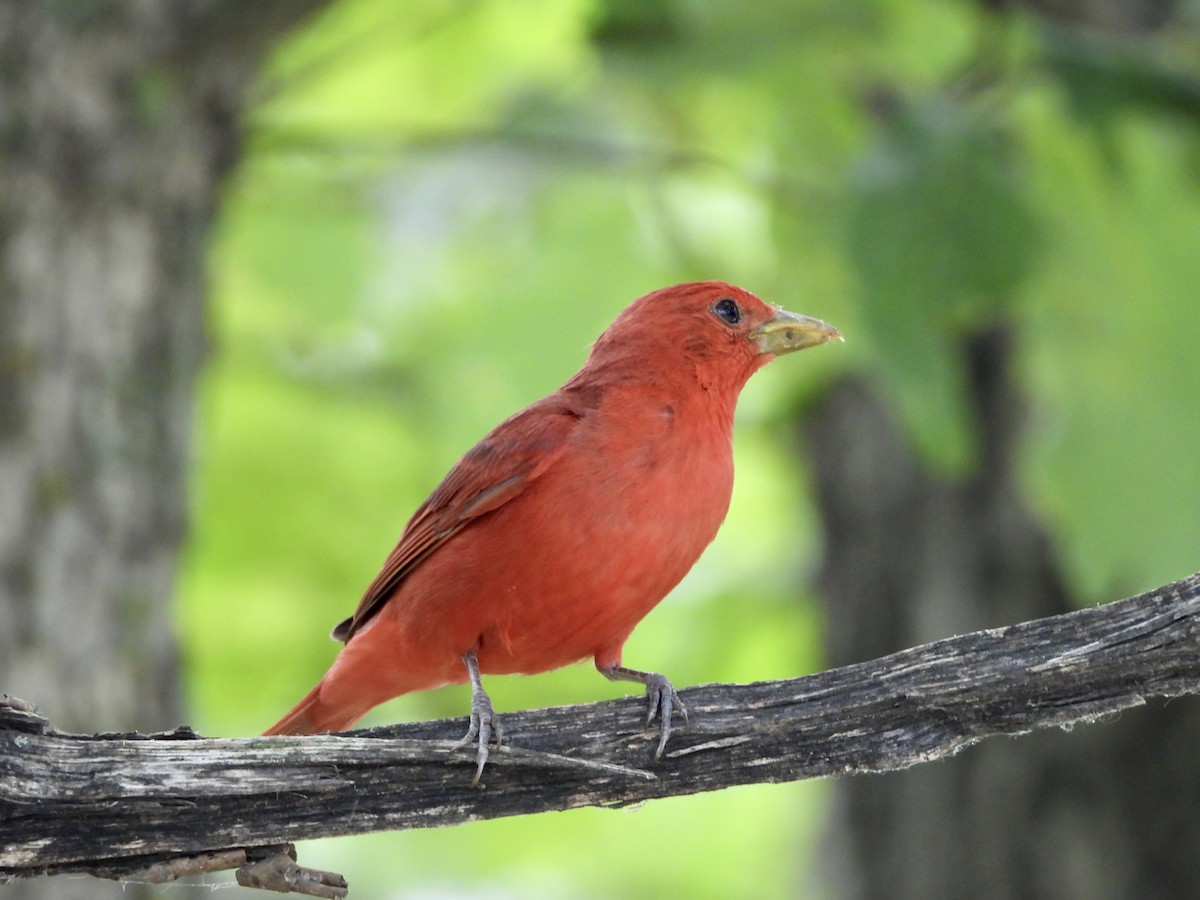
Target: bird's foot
484, 730
663, 700
485, 724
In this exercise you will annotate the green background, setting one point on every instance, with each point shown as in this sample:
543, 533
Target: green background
444, 203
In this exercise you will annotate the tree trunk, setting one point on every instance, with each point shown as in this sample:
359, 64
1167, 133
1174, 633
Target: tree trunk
117, 122
1104, 812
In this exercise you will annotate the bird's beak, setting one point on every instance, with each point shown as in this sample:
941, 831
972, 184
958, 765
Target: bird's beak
788, 331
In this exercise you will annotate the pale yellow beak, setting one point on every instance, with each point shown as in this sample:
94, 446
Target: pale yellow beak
787, 332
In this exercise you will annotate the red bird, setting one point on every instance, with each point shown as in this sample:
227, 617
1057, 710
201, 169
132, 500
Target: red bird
552, 538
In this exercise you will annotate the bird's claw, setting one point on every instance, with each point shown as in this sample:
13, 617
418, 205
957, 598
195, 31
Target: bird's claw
663, 702
663, 699
485, 725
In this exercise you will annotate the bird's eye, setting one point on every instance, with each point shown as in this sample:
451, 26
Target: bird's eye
727, 311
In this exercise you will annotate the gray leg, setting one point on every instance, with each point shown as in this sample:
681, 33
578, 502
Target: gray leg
484, 721
663, 699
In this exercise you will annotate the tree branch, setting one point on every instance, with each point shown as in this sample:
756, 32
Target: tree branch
116, 804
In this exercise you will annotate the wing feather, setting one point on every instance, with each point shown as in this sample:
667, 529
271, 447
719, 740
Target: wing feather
497, 469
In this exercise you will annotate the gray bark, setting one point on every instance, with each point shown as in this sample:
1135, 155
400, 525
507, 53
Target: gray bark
117, 123
116, 804
910, 557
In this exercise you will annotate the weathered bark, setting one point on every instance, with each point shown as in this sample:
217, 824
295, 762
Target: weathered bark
911, 557
117, 121
115, 804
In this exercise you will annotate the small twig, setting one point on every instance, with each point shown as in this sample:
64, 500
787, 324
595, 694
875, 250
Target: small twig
279, 872
20, 715
200, 864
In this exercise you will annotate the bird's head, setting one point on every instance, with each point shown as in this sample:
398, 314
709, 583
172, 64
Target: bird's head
719, 331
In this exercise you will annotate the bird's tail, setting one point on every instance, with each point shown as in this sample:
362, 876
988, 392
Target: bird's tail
314, 715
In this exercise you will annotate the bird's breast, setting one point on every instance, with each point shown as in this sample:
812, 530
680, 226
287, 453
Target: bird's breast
605, 536
566, 569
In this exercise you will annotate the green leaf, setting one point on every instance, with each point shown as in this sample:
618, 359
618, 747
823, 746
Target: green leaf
941, 239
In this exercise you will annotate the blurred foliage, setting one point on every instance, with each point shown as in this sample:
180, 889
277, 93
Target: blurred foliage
444, 202
942, 239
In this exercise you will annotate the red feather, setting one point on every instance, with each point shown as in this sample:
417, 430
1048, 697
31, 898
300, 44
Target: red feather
557, 533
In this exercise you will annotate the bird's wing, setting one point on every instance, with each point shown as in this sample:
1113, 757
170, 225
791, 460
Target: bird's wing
491, 474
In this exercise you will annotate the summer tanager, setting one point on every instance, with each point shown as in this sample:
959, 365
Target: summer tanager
552, 537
